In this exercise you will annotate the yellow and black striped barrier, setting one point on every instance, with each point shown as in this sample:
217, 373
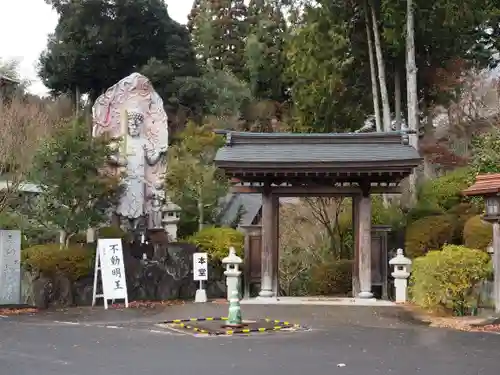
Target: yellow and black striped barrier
232, 331
209, 319
281, 322
278, 325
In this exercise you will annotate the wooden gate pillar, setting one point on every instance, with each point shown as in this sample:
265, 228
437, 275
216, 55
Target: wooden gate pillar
270, 205
252, 257
365, 254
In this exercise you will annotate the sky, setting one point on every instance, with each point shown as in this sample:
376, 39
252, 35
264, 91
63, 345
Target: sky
25, 25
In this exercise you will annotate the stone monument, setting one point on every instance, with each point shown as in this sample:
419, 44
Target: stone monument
132, 114
10, 267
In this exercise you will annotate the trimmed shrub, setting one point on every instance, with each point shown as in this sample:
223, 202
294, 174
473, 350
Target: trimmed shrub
217, 241
461, 214
447, 279
331, 278
74, 262
446, 191
111, 232
423, 210
429, 233
477, 234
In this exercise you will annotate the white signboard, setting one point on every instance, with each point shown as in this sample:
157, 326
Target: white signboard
10, 267
109, 261
200, 266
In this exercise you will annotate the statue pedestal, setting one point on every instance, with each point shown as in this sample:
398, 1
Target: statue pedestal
159, 241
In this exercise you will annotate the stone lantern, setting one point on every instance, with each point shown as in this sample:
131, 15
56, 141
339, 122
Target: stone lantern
171, 217
492, 208
401, 274
488, 187
232, 273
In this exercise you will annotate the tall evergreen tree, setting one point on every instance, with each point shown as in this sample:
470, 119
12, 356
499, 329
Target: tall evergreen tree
219, 29
98, 42
264, 50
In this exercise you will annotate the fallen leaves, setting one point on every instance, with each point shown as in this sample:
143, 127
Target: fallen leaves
14, 311
148, 304
488, 328
466, 323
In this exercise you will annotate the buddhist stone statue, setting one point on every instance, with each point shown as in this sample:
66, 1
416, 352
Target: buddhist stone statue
132, 113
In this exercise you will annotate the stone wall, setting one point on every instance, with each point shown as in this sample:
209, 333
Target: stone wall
168, 277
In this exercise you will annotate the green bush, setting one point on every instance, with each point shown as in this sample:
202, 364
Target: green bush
74, 262
429, 233
386, 215
78, 239
478, 234
217, 241
446, 279
461, 214
331, 278
111, 232
446, 191
31, 233
422, 210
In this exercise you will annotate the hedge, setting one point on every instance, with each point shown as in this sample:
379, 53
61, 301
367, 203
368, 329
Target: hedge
74, 262
429, 233
111, 232
477, 233
331, 278
446, 279
217, 241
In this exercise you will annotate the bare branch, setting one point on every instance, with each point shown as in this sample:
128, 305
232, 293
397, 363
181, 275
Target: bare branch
24, 125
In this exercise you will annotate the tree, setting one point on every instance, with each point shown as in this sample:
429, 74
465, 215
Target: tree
384, 97
373, 71
436, 26
264, 53
23, 126
224, 96
76, 191
193, 181
486, 153
15, 85
98, 42
328, 80
219, 29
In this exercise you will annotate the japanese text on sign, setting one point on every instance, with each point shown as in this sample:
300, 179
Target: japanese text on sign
112, 268
200, 266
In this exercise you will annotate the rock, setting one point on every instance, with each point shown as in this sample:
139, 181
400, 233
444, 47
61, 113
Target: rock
63, 291
83, 291
42, 292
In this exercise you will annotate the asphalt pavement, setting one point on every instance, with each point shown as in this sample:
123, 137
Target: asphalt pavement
340, 340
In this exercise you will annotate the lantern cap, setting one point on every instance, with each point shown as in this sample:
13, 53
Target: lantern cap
400, 259
232, 258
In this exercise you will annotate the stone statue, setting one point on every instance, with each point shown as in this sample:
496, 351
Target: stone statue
132, 112
156, 216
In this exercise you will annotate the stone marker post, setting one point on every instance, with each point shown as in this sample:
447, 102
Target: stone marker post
401, 273
10, 267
